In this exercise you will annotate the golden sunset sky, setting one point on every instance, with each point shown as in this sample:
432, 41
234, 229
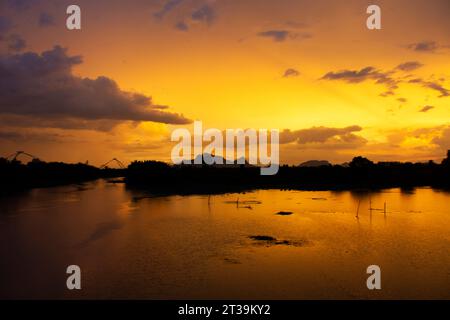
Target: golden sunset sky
308, 68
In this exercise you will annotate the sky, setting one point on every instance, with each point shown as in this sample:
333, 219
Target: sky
139, 69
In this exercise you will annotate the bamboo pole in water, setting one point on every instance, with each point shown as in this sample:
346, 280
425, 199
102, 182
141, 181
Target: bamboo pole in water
357, 210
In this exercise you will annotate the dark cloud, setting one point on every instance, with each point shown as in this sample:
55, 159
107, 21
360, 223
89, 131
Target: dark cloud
275, 35
57, 122
424, 46
443, 140
437, 87
291, 73
387, 78
283, 35
426, 109
325, 139
167, 8
347, 141
317, 134
160, 107
387, 93
13, 42
139, 147
5, 25
20, 5
353, 76
432, 85
409, 66
16, 43
46, 20
42, 85
182, 26
9, 135
415, 80
190, 14
26, 136
204, 14
365, 74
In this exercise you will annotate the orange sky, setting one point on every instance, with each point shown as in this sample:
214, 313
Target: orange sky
226, 69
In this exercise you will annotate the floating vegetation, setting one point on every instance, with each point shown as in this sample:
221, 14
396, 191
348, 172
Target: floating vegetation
263, 238
271, 241
284, 213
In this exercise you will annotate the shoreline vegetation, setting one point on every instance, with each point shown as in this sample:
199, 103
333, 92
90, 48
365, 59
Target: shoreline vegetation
161, 178
16, 176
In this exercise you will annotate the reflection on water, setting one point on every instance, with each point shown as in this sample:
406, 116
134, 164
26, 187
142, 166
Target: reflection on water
266, 244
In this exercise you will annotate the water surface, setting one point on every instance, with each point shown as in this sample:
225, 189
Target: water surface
132, 245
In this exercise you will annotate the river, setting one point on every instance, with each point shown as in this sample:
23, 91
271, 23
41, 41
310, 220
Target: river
130, 244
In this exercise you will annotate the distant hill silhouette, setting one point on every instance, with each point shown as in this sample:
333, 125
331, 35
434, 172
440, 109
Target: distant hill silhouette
315, 163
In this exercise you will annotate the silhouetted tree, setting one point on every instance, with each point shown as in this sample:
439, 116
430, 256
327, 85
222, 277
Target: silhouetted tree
361, 162
446, 161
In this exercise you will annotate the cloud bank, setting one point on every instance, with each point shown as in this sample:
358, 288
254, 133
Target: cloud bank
391, 78
43, 85
318, 135
283, 35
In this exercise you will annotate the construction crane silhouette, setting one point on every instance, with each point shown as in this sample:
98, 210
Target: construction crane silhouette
13, 157
119, 163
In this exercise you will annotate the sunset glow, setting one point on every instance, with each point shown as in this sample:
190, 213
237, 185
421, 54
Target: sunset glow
226, 66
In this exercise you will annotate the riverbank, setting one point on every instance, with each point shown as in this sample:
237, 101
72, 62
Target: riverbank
16, 176
157, 177
164, 179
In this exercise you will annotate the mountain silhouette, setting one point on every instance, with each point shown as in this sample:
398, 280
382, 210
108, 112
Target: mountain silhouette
315, 163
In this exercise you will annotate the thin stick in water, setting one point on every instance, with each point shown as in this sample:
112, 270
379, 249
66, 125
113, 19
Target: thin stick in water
357, 210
